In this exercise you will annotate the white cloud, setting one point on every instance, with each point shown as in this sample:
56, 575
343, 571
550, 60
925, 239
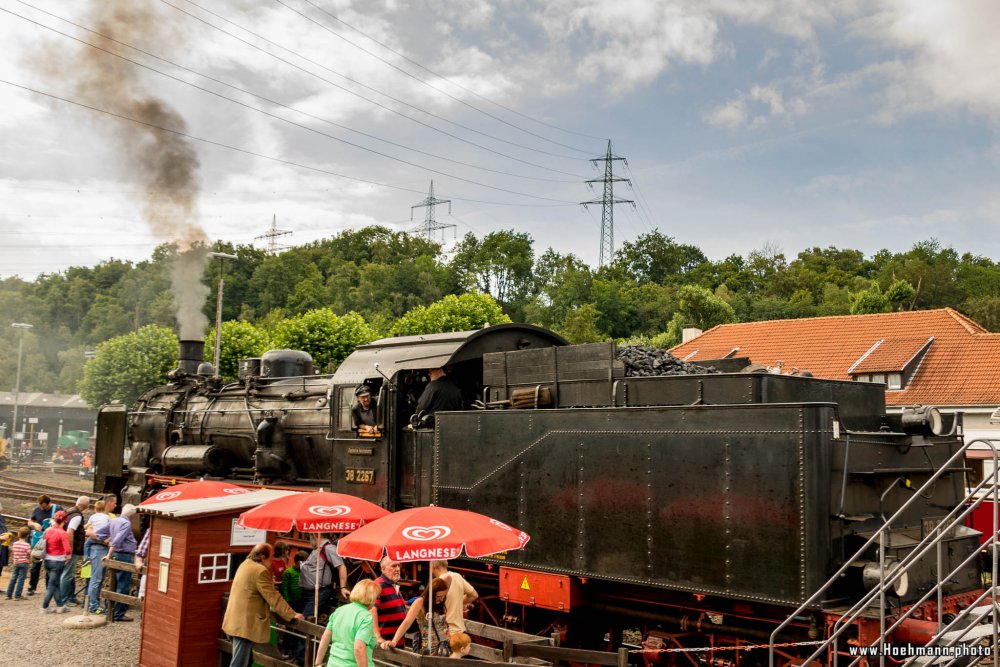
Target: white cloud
731, 114
468, 14
755, 108
947, 55
632, 40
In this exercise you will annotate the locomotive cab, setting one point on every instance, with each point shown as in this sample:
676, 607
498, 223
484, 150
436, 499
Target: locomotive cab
390, 469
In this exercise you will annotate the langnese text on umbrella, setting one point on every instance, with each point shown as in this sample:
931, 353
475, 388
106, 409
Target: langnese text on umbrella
425, 553
329, 526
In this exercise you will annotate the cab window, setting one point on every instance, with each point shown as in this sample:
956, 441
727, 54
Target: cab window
344, 411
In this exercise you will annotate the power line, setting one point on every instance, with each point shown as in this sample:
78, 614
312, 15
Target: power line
265, 99
645, 211
358, 83
271, 157
440, 76
426, 83
275, 116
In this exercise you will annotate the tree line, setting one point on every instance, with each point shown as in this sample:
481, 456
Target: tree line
363, 284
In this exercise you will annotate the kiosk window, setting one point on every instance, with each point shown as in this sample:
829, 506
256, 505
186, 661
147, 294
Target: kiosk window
213, 568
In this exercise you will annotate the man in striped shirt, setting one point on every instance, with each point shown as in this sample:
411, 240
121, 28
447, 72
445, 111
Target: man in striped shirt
391, 608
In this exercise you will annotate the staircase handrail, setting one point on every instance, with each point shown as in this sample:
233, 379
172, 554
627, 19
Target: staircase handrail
877, 537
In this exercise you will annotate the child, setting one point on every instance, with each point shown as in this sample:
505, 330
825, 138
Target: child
279, 561
20, 555
290, 588
97, 520
461, 644
292, 592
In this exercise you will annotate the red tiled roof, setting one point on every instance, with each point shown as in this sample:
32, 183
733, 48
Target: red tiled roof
961, 367
890, 356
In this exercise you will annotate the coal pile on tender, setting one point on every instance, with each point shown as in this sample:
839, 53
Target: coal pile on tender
643, 361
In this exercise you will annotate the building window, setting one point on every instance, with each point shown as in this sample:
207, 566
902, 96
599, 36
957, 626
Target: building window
878, 377
894, 381
213, 568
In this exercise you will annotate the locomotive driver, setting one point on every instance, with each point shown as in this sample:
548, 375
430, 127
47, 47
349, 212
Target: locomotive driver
363, 412
440, 394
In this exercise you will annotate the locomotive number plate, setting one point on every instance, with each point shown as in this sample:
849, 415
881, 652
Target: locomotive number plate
359, 476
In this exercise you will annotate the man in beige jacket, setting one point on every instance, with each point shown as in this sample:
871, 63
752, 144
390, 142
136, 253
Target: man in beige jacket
251, 599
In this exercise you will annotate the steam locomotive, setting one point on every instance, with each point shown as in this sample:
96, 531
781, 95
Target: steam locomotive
694, 508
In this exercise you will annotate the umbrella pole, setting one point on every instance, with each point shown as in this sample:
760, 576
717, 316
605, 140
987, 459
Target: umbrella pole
430, 608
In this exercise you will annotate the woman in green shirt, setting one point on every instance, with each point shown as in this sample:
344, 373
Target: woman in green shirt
351, 630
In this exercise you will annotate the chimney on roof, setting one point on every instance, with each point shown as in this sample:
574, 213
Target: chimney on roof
689, 334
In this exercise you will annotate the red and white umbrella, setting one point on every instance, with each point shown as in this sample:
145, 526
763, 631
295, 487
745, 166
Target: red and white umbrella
431, 533
199, 490
313, 512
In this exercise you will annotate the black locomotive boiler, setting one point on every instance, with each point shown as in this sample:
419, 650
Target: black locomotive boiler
695, 507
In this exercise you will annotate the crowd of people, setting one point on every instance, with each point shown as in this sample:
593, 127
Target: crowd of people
63, 544
59, 545
374, 612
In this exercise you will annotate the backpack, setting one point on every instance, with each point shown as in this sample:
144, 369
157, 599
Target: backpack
36, 535
38, 550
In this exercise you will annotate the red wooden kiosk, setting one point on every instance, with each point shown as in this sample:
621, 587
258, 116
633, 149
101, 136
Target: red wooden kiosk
195, 548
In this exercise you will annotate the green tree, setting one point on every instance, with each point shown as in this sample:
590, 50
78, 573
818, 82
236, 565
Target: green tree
836, 300
452, 313
581, 325
309, 293
900, 294
328, 337
871, 300
931, 269
657, 258
699, 307
565, 283
985, 310
105, 319
702, 308
126, 366
500, 264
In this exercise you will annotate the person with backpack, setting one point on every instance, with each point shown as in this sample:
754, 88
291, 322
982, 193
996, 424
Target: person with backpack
41, 519
321, 565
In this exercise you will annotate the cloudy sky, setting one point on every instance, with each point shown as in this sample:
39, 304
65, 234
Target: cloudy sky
868, 124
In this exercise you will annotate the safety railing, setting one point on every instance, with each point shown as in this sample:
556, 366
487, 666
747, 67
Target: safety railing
986, 490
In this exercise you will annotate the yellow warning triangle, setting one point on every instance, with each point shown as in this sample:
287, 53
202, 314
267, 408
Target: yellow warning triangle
525, 586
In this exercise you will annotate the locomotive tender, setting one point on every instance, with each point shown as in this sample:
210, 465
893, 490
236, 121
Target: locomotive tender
651, 501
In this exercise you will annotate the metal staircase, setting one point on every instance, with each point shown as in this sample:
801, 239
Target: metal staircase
956, 639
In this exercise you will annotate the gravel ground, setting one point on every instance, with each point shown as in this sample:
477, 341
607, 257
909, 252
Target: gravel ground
31, 638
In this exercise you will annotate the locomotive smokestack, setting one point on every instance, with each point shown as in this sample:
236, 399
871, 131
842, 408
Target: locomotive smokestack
192, 353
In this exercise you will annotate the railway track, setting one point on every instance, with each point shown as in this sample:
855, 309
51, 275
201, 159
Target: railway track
14, 522
52, 468
23, 489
